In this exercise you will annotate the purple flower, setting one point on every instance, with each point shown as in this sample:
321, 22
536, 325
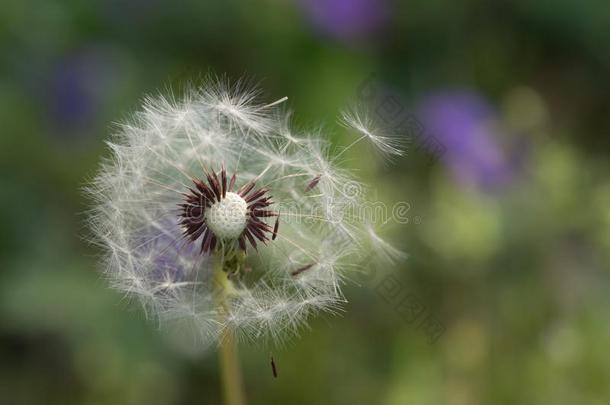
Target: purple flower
465, 124
77, 87
167, 254
346, 20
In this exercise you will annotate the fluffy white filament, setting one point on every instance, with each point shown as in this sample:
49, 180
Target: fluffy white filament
366, 127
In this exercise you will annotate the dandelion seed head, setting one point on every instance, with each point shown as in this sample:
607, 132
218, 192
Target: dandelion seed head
218, 177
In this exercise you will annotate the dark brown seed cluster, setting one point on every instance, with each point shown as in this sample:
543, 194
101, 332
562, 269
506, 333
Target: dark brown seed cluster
206, 193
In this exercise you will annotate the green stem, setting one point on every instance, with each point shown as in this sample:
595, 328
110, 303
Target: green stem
229, 361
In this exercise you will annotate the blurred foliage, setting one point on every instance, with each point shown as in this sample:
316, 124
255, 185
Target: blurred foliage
517, 272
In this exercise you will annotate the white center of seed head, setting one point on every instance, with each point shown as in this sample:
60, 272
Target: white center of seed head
227, 218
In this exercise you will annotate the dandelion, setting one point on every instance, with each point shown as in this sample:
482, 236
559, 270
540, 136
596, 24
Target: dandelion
210, 211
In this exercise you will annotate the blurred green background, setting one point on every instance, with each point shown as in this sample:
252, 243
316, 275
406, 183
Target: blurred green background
509, 229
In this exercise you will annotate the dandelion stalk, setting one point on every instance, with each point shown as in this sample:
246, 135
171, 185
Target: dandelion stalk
230, 371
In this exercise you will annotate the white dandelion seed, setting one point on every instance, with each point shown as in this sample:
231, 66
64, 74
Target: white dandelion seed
360, 120
383, 249
214, 194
